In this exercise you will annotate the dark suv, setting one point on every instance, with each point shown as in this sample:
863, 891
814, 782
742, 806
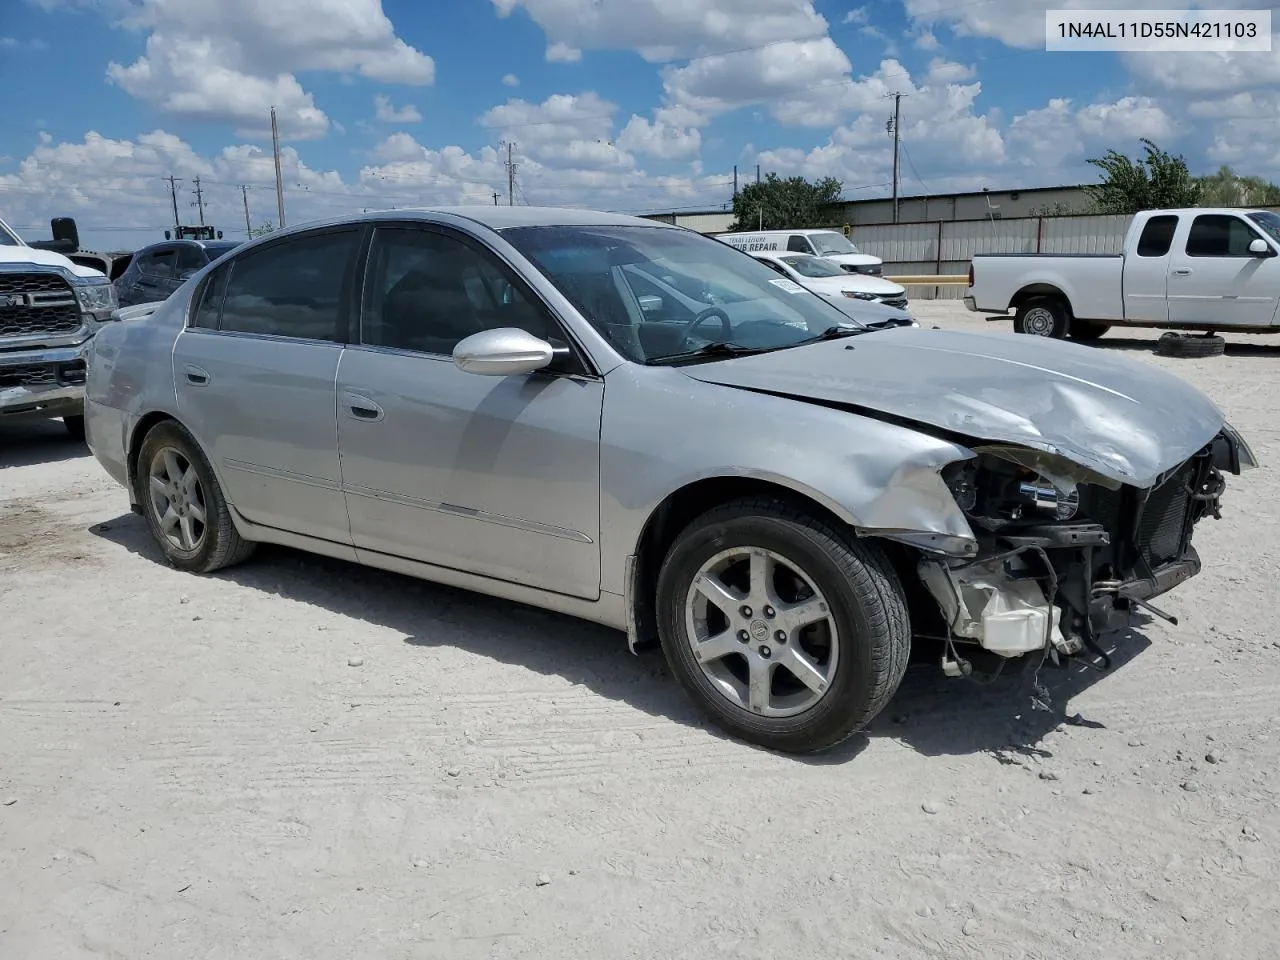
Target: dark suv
158, 270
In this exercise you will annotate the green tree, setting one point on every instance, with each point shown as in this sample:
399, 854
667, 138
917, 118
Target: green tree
262, 229
1226, 188
1158, 181
790, 204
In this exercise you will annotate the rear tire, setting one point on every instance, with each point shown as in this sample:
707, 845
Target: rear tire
1087, 331
183, 503
788, 667
1042, 317
75, 427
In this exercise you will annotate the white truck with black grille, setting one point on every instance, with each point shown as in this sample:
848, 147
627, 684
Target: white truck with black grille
50, 309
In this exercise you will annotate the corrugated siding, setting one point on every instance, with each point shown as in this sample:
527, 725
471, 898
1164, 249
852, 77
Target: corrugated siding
945, 248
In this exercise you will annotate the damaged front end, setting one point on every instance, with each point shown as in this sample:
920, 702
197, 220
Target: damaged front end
1065, 554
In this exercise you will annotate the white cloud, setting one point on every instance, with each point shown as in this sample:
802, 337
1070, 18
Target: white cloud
660, 139
387, 113
511, 80
1015, 23
664, 30
1056, 136
565, 130
1201, 73
948, 71
563, 53
115, 188
856, 15
231, 60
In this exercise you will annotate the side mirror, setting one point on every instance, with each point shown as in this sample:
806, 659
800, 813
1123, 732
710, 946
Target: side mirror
505, 352
66, 232
1260, 248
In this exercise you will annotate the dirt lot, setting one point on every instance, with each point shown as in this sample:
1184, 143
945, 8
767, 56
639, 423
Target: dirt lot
303, 759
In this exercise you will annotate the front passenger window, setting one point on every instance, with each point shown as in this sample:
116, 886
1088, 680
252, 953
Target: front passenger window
427, 291
799, 244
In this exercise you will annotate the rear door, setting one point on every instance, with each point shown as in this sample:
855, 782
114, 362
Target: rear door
1146, 271
255, 377
1214, 281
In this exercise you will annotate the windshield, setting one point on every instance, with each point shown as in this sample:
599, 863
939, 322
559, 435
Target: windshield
1268, 221
808, 266
657, 293
830, 242
7, 237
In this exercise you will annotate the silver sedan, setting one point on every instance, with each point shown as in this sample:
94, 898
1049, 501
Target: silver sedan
631, 423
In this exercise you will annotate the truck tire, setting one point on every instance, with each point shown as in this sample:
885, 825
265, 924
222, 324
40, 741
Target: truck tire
788, 632
75, 427
1189, 347
1042, 317
1087, 331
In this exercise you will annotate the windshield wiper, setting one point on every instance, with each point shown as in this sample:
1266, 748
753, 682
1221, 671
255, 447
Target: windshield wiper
718, 348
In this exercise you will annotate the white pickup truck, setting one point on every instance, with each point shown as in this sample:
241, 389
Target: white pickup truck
50, 309
1201, 269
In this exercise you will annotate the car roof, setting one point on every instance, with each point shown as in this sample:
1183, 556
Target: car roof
493, 217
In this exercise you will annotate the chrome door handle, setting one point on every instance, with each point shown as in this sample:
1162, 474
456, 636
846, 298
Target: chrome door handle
197, 375
362, 408
1182, 272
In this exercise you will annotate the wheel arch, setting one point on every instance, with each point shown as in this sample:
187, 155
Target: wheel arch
146, 423
685, 504
1034, 291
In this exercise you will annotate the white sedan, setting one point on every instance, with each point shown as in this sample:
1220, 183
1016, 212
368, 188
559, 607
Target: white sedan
827, 278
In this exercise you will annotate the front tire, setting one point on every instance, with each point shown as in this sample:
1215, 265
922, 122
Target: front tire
1042, 317
789, 633
183, 503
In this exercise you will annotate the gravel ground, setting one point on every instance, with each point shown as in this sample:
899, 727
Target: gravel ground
299, 758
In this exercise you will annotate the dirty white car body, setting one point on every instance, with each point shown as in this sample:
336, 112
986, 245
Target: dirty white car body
784, 499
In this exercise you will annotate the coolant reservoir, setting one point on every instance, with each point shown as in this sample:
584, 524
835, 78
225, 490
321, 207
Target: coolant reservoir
1011, 633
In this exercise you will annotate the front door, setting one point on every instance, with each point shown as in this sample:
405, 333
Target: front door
1215, 281
497, 476
255, 379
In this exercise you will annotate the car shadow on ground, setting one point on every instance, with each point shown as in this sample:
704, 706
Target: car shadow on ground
43, 441
931, 713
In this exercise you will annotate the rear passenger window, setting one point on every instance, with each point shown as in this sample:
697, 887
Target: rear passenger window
209, 302
1219, 235
1157, 237
293, 288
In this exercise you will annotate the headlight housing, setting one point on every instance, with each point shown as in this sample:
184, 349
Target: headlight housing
1009, 485
858, 295
97, 298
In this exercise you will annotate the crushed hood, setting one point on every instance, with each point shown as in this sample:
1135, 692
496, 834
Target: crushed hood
1122, 418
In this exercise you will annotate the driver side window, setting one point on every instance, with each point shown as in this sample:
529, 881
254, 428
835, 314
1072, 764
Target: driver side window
799, 244
426, 291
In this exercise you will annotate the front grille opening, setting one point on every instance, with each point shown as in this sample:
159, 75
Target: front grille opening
29, 375
37, 304
72, 373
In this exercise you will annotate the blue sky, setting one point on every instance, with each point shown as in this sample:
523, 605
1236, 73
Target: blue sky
635, 105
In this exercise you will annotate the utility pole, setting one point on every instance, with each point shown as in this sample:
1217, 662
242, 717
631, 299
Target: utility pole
200, 200
173, 195
275, 148
511, 172
735, 180
894, 128
244, 194
495, 198
757, 173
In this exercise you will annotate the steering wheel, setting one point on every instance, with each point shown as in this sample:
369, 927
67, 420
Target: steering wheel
726, 325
